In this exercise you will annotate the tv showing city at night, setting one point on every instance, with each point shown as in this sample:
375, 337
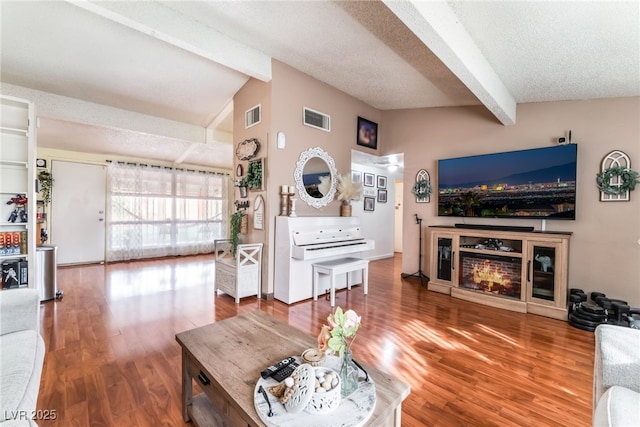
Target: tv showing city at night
527, 184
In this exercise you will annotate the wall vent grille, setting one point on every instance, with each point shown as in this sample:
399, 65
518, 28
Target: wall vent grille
316, 119
252, 116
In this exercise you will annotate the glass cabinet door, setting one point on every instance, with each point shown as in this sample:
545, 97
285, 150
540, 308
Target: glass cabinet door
542, 272
445, 258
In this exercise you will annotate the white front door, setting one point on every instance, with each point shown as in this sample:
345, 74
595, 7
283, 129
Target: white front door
78, 212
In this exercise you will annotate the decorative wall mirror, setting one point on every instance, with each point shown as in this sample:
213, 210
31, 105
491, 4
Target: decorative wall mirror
315, 177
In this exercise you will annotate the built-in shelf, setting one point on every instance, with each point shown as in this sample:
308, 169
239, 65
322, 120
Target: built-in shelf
17, 177
14, 131
14, 163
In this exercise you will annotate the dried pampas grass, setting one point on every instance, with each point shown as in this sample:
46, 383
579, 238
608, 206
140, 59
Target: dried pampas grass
347, 189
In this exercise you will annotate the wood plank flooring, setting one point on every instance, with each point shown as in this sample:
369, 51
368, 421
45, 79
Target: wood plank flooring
112, 358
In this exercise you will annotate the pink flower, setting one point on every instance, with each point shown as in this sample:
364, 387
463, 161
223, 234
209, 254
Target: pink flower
323, 338
352, 319
331, 322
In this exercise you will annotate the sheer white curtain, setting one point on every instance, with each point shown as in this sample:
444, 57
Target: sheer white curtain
155, 211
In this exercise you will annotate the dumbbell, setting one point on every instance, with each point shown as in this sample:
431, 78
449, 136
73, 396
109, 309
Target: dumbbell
621, 311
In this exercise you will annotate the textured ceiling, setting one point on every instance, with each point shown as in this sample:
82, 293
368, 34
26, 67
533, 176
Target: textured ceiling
156, 79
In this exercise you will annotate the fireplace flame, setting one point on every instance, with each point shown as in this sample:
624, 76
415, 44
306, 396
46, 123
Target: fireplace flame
490, 276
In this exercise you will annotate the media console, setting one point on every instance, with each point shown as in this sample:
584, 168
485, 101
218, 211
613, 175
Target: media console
514, 269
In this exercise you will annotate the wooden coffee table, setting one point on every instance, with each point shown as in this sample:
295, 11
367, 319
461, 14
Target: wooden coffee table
226, 357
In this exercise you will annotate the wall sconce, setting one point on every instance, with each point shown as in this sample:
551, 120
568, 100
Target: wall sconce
392, 167
281, 141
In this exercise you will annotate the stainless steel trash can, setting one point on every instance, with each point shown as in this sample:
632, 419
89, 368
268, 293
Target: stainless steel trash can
47, 277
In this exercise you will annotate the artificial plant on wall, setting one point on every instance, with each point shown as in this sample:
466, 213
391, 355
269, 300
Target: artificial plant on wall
46, 185
254, 175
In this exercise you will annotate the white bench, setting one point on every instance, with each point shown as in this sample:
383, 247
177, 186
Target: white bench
340, 266
239, 276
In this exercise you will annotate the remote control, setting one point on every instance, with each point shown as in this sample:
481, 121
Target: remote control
285, 372
274, 368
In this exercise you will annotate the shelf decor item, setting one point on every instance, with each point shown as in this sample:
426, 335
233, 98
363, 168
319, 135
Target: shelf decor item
347, 190
422, 187
616, 179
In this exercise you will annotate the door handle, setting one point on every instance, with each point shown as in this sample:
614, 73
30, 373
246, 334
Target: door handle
100, 219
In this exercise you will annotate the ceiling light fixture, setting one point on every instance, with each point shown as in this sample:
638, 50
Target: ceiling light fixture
392, 167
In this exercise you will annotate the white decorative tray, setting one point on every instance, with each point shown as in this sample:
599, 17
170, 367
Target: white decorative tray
353, 411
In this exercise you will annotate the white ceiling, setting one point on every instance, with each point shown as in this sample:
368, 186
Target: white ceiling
156, 79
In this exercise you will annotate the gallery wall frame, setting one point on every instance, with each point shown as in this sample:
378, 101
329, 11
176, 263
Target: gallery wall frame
382, 181
367, 133
368, 179
369, 204
382, 196
356, 176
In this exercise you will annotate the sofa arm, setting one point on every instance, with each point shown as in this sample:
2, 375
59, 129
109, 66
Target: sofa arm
19, 310
617, 359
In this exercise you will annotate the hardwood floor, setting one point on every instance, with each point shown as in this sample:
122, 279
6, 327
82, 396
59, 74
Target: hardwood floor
112, 358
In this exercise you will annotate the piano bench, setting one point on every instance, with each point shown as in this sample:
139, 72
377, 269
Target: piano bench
340, 266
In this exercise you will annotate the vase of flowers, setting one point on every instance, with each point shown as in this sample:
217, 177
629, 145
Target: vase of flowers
338, 336
347, 190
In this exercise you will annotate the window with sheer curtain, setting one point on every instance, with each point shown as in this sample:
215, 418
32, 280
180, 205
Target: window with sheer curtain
155, 211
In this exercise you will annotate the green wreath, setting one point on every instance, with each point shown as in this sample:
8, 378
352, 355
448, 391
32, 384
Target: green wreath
422, 189
628, 180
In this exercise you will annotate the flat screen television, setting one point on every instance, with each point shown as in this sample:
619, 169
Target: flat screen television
530, 184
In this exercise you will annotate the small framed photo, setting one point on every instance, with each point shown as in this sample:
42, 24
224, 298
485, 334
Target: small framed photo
382, 181
368, 179
356, 176
382, 196
367, 133
369, 204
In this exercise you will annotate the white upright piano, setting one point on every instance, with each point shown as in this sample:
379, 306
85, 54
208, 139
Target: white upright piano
303, 241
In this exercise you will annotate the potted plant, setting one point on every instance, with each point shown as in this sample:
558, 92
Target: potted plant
242, 185
235, 222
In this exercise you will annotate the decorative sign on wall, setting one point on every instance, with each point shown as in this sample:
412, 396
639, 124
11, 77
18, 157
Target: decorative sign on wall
616, 179
258, 213
422, 187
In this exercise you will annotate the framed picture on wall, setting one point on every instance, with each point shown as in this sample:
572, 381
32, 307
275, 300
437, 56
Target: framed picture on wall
382, 181
369, 204
368, 179
382, 196
356, 176
367, 133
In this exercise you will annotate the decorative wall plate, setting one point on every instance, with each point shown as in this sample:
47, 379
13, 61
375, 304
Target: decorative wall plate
247, 149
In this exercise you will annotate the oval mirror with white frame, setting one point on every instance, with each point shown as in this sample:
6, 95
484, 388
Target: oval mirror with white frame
315, 177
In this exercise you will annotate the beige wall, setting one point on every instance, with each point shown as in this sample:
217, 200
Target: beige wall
282, 102
605, 245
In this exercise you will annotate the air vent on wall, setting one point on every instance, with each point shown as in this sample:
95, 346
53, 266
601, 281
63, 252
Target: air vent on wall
252, 116
316, 119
